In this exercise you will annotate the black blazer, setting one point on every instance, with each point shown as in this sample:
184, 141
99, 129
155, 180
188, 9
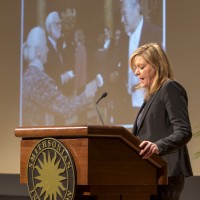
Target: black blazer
150, 33
165, 121
54, 67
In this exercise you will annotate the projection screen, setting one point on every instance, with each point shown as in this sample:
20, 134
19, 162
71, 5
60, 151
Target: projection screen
89, 43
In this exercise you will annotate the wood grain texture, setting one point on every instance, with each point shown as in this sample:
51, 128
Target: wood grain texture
107, 160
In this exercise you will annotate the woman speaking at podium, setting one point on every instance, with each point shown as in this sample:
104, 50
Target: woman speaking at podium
162, 122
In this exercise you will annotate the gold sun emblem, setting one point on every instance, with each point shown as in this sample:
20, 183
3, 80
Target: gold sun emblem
50, 177
51, 172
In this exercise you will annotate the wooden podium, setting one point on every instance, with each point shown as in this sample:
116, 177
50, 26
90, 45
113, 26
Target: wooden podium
107, 161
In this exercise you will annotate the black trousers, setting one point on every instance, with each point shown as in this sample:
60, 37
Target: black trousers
171, 191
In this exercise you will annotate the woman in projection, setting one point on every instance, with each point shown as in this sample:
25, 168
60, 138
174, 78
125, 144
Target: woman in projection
42, 100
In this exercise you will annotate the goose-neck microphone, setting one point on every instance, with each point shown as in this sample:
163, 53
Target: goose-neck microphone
102, 96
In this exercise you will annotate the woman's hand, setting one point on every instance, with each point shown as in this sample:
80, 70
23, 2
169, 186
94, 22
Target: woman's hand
147, 149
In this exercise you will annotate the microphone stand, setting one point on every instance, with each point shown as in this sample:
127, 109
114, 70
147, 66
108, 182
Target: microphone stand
99, 115
102, 96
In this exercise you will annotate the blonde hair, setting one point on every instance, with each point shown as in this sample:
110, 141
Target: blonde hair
153, 54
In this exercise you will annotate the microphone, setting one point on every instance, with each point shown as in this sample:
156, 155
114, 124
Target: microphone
102, 96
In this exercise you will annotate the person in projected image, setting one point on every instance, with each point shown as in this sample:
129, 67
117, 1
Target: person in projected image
80, 58
107, 38
42, 99
102, 64
55, 66
67, 45
66, 42
162, 123
138, 31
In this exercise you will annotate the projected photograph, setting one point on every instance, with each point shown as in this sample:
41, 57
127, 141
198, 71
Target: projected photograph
75, 59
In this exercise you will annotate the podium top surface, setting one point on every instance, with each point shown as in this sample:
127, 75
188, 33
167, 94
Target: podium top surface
87, 131
67, 131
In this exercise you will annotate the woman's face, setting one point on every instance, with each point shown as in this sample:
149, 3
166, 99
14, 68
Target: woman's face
144, 71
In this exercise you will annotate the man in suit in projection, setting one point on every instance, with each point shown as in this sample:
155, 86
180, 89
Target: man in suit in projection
138, 31
55, 67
